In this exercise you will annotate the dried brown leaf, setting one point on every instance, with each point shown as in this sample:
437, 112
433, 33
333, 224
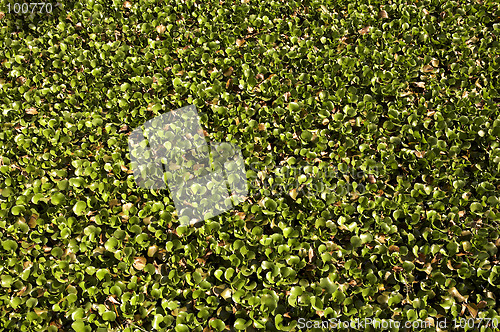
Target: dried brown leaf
32, 222
287, 95
161, 29
228, 72
393, 248
481, 304
31, 110
383, 14
364, 30
114, 202
112, 299
381, 239
428, 268
126, 206
472, 309
427, 69
139, 263
311, 255
127, 4
420, 154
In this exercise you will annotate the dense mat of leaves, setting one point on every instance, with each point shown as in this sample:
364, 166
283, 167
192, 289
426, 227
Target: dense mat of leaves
401, 99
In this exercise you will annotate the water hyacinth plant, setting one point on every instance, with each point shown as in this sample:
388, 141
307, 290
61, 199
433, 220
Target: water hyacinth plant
369, 131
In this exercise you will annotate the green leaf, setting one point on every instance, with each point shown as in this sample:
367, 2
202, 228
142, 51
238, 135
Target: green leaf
181, 328
57, 198
109, 316
6, 280
268, 301
218, 325
271, 204
17, 210
79, 208
293, 107
366, 238
9, 245
101, 273
306, 135
157, 320
79, 326
240, 324
476, 207
408, 266
356, 241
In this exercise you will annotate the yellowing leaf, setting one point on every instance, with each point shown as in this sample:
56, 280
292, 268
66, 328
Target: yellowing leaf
240, 42
456, 294
31, 110
226, 294
293, 193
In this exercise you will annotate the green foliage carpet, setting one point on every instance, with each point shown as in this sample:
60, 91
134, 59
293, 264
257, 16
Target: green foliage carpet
370, 131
